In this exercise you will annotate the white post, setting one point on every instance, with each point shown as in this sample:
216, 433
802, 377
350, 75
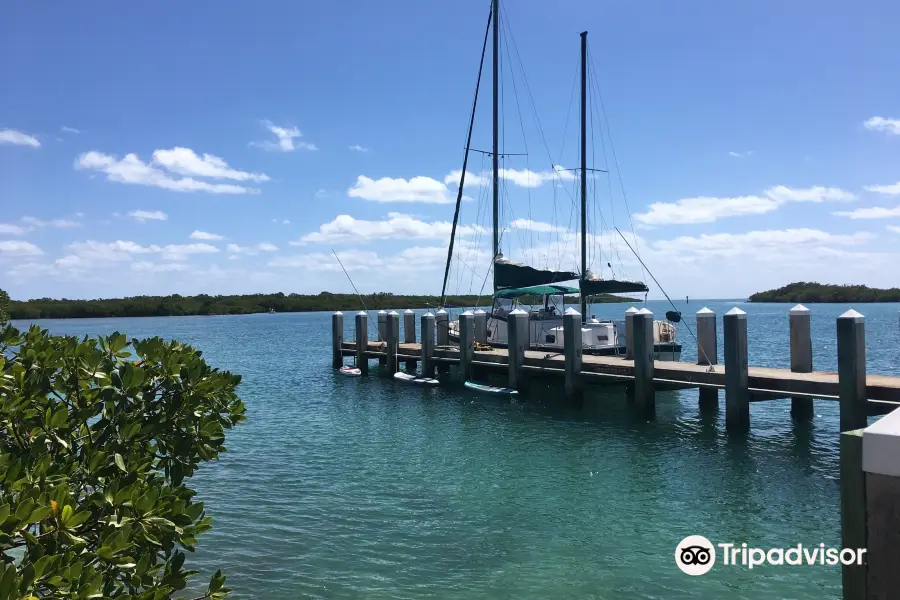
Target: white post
480, 326
644, 394
629, 333
801, 357
442, 324
737, 377
851, 342
409, 327
362, 341
337, 340
427, 322
392, 333
382, 333
466, 346
707, 351
517, 342
572, 347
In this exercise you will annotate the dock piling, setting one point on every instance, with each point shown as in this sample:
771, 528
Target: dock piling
517, 342
629, 333
427, 324
362, 341
480, 326
337, 339
851, 342
392, 333
409, 334
466, 344
801, 357
572, 347
382, 333
642, 333
442, 325
737, 380
707, 354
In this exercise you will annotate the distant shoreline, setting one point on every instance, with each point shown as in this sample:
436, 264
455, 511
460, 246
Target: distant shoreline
205, 305
827, 294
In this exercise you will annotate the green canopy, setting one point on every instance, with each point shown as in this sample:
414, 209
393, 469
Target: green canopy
535, 290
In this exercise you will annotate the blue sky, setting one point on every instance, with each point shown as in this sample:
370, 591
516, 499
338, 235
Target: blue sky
223, 148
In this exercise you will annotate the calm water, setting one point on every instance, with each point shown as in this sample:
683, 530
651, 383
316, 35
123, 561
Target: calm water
341, 487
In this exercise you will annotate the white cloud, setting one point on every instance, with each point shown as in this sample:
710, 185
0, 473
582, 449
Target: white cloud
133, 170
18, 249
472, 179
817, 193
145, 266
345, 228
755, 243
887, 190
10, 229
388, 189
532, 179
17, 138
148, 215
282, 221
353, 260
185, 161
358, 148
203, 235
893, 228
71, 130
288, 139
91, 254
58, 223
535, 226
889, 126
708, 209
182, 251
252, 250
875, 212
740, 154
321, 194
704, 210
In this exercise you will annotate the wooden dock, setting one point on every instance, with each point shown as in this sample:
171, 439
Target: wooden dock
858, 393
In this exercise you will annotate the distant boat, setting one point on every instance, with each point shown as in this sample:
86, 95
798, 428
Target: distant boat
271, 311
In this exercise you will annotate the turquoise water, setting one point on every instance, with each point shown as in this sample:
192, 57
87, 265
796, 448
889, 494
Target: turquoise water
342, 487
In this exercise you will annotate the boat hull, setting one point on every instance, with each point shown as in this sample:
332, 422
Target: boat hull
668, 351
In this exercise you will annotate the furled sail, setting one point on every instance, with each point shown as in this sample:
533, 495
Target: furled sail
593, 286
508, 274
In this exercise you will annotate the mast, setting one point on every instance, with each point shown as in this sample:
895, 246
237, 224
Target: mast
583, 171
495, 149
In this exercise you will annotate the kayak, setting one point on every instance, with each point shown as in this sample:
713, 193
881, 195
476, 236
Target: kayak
489, 389
350, 371
414, 379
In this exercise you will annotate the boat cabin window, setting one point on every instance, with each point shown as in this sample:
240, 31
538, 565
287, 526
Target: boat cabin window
503, 306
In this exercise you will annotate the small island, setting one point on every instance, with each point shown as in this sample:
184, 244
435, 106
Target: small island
818, 292
176, 305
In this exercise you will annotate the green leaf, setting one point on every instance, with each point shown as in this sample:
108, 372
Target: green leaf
4, 512
38, 515
66, 513
59, 417
78, 518
40, 565
120, 462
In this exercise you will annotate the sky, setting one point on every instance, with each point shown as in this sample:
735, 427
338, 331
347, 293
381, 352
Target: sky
220, 148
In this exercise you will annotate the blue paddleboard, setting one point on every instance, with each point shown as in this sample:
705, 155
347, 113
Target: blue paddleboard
489, 389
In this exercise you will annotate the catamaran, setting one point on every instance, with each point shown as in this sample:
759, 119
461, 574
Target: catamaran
518, 285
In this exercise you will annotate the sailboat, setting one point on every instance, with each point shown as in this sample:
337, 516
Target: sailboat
516, 283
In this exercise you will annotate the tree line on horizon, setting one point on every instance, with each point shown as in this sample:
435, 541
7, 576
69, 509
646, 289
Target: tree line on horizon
803, 291
203, 304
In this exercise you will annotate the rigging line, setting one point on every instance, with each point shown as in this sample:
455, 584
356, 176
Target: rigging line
354, 287
462, 176
531, 99
618, 172
614, 248
512, 76
667, 298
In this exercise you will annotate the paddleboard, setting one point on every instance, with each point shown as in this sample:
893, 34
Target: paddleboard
413, 379
350, 371
489, 389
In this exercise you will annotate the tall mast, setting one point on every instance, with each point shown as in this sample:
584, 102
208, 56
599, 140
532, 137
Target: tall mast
495, 148
583, 170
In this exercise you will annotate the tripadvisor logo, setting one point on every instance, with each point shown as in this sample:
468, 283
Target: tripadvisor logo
696, 555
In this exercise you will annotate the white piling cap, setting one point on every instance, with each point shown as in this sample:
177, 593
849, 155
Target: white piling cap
393, 313
338, 314
429, 314
362, 312
442, 312
518, 311
408, 311
631, 311
572, 311
799, 310
851, 314
705, 312
735, 311
645, 311
382, 312
468, 313
478, 311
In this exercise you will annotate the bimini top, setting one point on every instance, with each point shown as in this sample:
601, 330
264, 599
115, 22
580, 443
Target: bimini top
535, 290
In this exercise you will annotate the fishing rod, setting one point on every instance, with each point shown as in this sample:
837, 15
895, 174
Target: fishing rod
711, 369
